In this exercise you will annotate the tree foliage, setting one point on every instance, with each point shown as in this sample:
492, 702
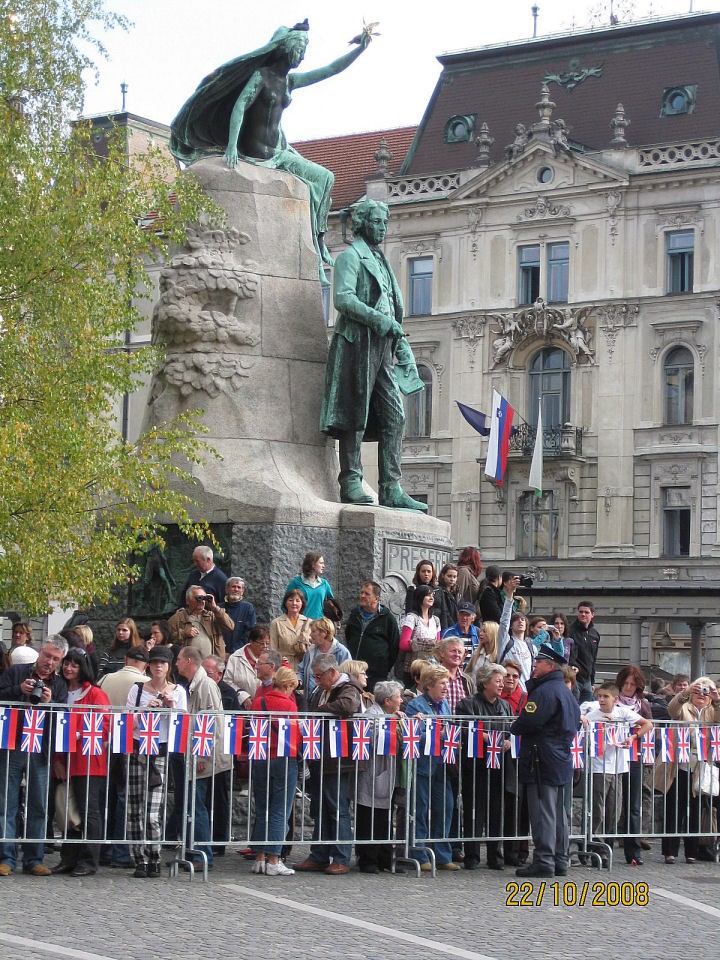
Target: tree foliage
75, 498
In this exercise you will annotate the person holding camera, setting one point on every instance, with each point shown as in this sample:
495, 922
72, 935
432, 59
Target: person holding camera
35, 684
201, 624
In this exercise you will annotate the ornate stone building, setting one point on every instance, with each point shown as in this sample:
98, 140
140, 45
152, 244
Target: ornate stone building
555, 229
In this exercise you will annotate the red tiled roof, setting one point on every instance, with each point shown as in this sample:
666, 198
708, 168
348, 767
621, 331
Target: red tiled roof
352, 158
501, 85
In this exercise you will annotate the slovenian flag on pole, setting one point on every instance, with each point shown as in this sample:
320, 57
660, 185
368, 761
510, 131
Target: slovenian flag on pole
536, 466
8, 728
500, 425
122, 733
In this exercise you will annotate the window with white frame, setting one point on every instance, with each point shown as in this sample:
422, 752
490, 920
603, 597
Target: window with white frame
678, 386
679, 258
677, 514
538, 525
546, 277
418, 406
420, 283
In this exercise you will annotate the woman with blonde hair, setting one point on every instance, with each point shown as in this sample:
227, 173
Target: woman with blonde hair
358, 670
322, 640
486, 650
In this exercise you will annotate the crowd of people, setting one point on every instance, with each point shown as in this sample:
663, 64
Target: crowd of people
508, 694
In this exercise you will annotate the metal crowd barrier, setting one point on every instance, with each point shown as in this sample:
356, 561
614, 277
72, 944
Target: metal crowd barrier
400, 790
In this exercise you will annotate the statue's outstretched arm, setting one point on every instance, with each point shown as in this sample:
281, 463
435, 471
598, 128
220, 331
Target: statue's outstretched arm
246, 98
337, 66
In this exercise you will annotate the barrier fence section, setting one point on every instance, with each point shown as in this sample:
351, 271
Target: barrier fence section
121, 786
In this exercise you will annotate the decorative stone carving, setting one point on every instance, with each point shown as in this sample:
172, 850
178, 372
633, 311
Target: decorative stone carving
574, 76
613, 317
517, 147
544, 209
677, 332
416, 450
539, 320
619, 124
613, 200
474, 219
471, 329
677, 220
483, 142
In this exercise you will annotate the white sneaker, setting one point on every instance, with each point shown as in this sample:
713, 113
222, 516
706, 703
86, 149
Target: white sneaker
278, 870
259, 866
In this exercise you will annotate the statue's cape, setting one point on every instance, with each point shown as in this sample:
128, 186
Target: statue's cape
201, 127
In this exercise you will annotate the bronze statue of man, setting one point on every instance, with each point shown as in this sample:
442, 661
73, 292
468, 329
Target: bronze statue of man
362, 398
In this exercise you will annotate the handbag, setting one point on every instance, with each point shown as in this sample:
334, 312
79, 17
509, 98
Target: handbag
706, 780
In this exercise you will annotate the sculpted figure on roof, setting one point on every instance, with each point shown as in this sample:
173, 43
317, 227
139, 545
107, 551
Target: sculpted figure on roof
237, 111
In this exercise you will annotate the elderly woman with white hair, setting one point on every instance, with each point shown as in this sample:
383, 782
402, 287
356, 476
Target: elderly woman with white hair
375, 787
687, 786
482, 784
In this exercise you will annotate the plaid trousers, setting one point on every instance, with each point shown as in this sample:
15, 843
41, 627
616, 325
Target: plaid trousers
145, 807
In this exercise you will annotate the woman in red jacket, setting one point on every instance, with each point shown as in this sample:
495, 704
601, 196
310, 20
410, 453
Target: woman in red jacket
85, 768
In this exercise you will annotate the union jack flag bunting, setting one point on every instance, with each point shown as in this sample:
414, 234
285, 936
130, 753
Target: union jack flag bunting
148, 734
8, 728
203, 735
287, 739
411, 738
91, 734
65, 732
451, 743
122, 733
493, 749
683, 745
178, 732
648, 748
32, 730
476, 740
433, 732
258, 738
714, 736
597, 739
615, 734
387, 737
311, 733
667, 745
515, 741
361, 739
233, 735
577, 751
338, 738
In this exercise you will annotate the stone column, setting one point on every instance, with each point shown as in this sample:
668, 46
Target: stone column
696, 658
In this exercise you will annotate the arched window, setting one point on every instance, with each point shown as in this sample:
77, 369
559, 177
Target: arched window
550, 379
418, 406
679, 376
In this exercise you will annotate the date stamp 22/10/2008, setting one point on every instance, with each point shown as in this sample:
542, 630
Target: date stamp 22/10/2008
600, 893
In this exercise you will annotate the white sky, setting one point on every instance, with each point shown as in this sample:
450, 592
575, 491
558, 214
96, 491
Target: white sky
175, 43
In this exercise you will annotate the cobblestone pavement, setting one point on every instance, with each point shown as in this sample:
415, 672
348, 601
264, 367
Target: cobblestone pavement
470, 915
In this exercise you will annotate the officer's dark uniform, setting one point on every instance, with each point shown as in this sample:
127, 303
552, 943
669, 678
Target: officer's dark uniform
547, 724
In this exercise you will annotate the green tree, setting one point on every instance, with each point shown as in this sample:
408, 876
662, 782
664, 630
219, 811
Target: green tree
75, 498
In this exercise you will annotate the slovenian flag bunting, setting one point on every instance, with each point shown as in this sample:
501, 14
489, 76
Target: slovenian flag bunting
362, 734
65, 732
33, 727
476, 740
701, 742
387, 737
122, 733
493, 749
597, 740
515, 745
411, 738
714, 737
451, 743
433, 733
91, 733
648, 748
233, 735
203, 735
338, 738
577, 751
287, 737
667, 745
311, 733
8, 728
501, 417
178, 732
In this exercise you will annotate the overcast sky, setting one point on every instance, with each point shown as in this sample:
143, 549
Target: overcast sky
175, 43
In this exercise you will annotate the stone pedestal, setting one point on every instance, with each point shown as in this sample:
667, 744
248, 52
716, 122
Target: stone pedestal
240, 315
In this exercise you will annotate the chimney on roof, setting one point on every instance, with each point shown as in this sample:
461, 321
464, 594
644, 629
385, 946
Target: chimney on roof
619, 125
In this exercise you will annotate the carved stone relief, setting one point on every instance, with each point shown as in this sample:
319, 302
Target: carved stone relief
471, 329
612, 318
567, 323
613, 201
544, 209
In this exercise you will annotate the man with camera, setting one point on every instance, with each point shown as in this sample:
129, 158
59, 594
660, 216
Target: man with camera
201, 624
34, 684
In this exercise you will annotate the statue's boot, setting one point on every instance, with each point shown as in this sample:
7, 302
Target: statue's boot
393, 495
351, 491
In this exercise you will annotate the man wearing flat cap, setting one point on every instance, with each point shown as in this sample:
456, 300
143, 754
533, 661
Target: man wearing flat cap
547, 724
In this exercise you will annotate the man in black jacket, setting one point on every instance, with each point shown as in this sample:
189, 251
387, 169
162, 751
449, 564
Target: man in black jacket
18, 685
584, 651
372, 634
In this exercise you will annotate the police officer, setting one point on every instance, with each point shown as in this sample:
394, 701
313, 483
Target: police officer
547, 723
